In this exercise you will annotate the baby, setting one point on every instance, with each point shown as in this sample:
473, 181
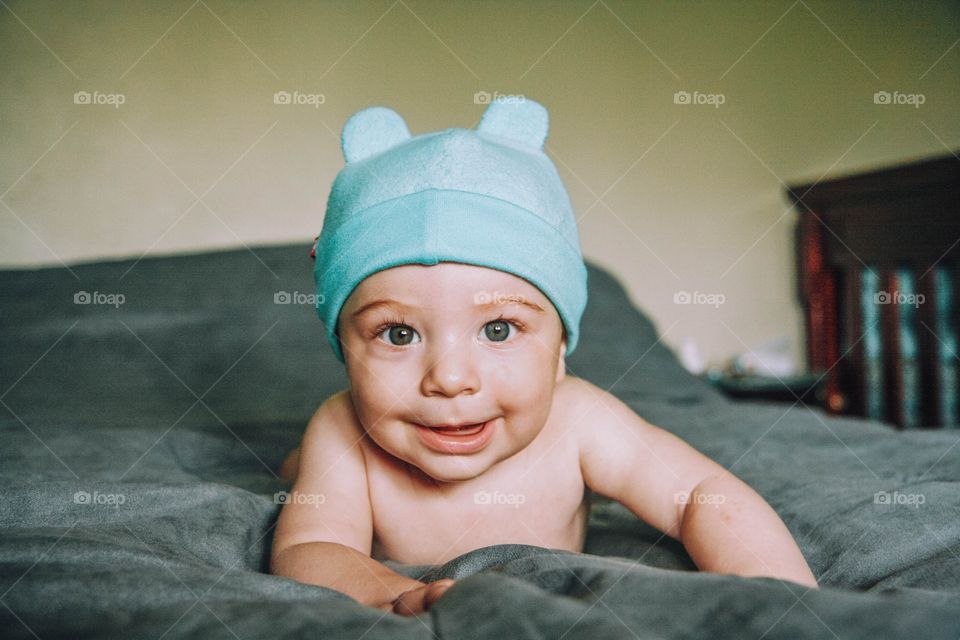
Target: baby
451, 285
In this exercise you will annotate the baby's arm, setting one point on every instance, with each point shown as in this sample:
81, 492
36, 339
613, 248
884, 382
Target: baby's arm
325, 532
725, 526
742, 535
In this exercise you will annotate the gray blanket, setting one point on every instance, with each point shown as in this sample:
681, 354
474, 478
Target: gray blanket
141, 436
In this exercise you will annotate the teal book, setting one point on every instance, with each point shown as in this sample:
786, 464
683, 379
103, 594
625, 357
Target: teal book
946, 330
873, 404
908, 362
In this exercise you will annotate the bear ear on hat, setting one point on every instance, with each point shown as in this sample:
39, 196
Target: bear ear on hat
371, 131
517, 118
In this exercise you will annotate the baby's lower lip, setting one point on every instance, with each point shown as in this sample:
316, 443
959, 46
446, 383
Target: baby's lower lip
467, 440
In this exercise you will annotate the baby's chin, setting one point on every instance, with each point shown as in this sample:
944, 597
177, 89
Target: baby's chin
453, 468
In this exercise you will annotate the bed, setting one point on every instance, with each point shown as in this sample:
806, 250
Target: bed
147, 405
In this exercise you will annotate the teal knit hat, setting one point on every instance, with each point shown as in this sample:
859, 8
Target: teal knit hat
488, 197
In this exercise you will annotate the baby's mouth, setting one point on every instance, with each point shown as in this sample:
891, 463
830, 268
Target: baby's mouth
464, 430
462, 439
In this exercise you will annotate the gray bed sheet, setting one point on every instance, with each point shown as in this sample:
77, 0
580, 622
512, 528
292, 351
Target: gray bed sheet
140, 443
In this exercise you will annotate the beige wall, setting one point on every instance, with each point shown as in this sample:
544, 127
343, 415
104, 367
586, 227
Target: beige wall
691, 195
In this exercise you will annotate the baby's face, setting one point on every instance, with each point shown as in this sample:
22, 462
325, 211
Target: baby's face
451, 344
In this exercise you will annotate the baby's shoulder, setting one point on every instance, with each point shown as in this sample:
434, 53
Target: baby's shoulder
592, 413
334, 423
574, 396
573, 399
332, 410
571, 390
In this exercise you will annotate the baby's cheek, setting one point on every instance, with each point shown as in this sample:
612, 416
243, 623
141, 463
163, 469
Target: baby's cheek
369, 403
379, 387
525, 404
527, 386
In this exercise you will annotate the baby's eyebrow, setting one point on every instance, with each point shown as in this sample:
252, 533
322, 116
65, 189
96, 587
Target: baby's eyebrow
533, 306
376, 304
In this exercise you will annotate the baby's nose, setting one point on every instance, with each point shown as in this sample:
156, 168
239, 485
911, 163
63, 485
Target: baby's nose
452, 373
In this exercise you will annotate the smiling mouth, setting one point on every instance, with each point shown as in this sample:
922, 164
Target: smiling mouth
457, 439
462, 430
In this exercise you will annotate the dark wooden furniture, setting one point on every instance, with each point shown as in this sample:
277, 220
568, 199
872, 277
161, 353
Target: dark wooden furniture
894, 231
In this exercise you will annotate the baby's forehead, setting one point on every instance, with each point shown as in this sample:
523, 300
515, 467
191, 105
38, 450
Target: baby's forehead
448, 280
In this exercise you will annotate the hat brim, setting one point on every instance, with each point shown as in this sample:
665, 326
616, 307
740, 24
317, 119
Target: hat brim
446, 225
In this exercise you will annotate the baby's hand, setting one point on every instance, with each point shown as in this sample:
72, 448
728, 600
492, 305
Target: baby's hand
418, 600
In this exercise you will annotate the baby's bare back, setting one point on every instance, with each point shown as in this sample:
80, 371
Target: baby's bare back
535, 497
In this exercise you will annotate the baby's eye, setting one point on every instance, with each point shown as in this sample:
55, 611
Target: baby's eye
499, 330
398, 335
